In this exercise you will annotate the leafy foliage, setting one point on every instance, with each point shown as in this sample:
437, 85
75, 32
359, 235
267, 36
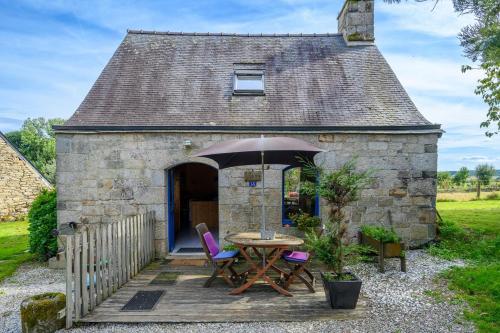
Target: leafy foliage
36, 141
339, 188
380, 233
484, 173
305, 221
461, 176
42, 219
444, 179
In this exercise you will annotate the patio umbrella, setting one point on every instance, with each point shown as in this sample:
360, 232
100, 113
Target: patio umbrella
253, 151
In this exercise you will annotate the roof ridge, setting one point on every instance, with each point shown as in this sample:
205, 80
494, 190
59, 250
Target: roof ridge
180, 33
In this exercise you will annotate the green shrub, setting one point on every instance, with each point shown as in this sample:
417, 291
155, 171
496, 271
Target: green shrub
42, 219
305, 222
380, 233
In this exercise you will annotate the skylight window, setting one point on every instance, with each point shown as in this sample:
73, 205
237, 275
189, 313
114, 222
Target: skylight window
249, 82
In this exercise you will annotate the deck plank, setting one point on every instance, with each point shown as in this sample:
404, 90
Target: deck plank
187, 301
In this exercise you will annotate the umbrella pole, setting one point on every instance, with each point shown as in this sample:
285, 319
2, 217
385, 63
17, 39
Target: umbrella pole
263, 226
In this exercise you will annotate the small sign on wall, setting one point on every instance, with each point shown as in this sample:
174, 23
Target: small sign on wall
252, 184
252, 176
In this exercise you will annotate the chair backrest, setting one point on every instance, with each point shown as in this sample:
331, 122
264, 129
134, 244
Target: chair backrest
202, 229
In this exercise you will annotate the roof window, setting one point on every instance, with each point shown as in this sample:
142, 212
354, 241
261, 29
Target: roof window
248, 82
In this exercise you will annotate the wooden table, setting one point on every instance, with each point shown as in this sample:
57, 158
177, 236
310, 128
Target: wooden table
278, 245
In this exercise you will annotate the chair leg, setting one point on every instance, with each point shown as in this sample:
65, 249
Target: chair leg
297, 272
211, 278
311, 276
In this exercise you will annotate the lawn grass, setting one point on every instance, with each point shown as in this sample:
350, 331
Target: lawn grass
13, 251
471, 231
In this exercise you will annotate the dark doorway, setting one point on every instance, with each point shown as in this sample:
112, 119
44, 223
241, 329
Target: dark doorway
193, 199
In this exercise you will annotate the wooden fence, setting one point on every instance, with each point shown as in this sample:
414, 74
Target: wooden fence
101, 258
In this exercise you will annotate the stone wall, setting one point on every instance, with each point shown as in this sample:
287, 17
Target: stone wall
103, 177
356, 20
19, 183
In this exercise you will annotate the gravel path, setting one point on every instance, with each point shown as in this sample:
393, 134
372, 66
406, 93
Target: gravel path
397, 303
30, 279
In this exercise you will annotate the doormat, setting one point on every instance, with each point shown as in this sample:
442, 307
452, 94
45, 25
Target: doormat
165, 278
143, 300
190, 250
188, 262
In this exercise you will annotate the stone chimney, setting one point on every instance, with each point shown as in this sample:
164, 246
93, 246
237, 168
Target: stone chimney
355, 21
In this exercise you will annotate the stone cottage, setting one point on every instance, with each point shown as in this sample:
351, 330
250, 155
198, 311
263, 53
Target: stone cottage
163, 95
20, 182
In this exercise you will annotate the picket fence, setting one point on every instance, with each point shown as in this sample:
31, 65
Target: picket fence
100, 258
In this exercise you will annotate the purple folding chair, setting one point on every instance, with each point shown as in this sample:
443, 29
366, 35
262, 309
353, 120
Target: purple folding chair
296, 261
220, 260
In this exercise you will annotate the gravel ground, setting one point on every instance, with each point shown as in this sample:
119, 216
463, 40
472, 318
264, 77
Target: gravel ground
30, 279
397, 303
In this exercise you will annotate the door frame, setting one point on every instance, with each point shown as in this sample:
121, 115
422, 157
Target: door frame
170, 210
171, 199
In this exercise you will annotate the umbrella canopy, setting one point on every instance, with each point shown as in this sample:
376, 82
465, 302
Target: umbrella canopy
277, 150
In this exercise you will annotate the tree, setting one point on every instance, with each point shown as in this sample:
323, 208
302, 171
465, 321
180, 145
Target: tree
339, 188
481, 44
444, 179
36, 141
461, 176
484, 173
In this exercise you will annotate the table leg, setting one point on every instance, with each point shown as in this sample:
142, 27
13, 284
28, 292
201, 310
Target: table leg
273, 267
261, 273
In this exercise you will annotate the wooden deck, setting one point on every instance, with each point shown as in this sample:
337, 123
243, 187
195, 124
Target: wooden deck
187, 301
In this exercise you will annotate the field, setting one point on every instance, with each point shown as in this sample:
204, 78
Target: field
471, 231
13, 251
463, 196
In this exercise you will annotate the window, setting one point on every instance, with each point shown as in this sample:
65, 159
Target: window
249, 82
293, 201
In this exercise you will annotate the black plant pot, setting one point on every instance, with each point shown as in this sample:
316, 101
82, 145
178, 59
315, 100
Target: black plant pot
342, 294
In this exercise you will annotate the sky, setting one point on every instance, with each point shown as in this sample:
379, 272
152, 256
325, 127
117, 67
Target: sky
51, 52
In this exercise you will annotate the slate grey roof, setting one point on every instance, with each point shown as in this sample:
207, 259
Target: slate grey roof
185, 80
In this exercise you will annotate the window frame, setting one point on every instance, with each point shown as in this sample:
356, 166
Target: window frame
285, 221
256, 73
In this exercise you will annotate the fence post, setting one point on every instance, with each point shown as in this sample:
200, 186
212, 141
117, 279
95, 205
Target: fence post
69, 281
83, 279
92, 267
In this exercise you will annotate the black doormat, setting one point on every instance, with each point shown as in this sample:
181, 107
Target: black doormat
190, 250
165, 279
143, 300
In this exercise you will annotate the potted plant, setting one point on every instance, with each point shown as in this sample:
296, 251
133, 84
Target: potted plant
385, 242
338, 188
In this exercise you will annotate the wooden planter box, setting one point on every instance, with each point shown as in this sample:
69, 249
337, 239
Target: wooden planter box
384, 250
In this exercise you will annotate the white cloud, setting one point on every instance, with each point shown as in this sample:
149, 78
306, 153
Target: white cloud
442, 21
480, 159
433, 75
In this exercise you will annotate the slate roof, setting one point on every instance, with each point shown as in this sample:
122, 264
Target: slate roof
185, 80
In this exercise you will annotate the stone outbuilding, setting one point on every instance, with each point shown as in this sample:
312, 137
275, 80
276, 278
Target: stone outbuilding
20, 182
163, 95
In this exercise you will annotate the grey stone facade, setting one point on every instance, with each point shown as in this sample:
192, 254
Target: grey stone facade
102, 177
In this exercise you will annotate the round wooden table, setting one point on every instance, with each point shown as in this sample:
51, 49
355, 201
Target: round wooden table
247, 240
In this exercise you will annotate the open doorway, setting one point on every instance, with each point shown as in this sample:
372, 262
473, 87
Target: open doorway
193, 199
